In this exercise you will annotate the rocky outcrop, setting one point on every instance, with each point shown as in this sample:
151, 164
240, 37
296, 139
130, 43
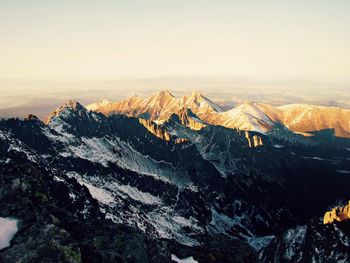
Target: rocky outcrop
312, 242
155, 129
253, 140
181, 140
70, 104
338, 214
188, 119
31, 117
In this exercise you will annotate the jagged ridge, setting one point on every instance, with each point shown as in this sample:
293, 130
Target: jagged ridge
248, 116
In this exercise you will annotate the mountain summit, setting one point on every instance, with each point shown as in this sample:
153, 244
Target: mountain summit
65, 109
248, 116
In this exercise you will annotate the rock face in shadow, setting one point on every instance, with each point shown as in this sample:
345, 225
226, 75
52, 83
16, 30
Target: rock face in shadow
59, 221
338, 214
312, 242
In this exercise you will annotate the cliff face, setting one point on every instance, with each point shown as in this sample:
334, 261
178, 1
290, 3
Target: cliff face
253, 141
312, 242
155, 129
337, 214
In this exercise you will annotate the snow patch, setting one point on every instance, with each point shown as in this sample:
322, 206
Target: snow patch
8, 228
97, 193
185, 260
222, 224
138, 195
174, 227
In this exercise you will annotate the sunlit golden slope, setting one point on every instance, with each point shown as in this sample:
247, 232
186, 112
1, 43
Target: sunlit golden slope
306, 118
248, 116
337, 214
155, 129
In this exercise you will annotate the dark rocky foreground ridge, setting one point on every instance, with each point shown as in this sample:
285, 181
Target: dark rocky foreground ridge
52, 228
90, 188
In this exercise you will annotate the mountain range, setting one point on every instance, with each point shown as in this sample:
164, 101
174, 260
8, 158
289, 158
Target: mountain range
164, 178
249, 116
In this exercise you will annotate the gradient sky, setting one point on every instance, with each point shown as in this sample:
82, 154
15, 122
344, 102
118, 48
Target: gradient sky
109, 39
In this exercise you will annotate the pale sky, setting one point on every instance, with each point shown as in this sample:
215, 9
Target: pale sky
110, 39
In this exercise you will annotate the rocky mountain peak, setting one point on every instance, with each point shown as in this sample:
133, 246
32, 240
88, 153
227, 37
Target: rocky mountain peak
31, 117
248, 116
196, 94
338, 214
165, 93
162, 95
72, 104
197, 101
68, 106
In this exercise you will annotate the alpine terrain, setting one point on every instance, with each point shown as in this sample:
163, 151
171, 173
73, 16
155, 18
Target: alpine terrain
168, 179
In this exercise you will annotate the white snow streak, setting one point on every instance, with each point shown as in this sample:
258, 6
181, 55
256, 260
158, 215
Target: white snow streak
185, 260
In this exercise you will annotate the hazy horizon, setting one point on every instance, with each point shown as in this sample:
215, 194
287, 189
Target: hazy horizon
41, 97
278, 52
